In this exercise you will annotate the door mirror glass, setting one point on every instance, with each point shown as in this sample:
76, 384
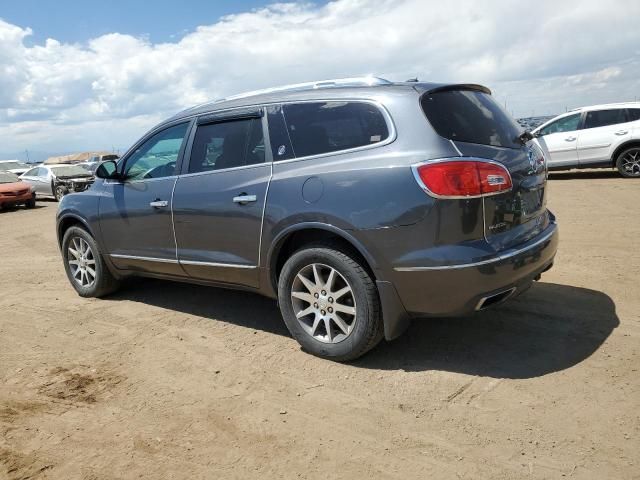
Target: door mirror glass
107, 169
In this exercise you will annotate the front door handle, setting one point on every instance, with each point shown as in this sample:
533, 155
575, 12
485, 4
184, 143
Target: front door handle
570, 139
159, 203
243, 199
622, 132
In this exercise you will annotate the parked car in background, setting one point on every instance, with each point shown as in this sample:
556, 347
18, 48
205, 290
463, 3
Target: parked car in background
14, 166
58, 180
14, 191
358, 203
594, 137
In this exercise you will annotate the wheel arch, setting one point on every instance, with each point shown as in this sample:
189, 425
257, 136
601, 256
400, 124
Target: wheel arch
70, 220
621, 148
296, 236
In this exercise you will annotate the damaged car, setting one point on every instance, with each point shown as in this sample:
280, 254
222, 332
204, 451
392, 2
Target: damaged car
58, 180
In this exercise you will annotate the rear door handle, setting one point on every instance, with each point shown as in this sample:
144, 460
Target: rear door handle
570, 139
159, 204
622, 132
243, 199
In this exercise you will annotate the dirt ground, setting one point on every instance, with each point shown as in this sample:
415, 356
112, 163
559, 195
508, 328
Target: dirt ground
165, 380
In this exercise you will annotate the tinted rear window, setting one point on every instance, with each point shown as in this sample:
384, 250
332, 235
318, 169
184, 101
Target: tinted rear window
603, 118
470, 116
323, 127
634, 114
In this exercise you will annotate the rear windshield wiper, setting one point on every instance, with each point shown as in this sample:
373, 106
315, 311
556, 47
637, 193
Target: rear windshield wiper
524, 137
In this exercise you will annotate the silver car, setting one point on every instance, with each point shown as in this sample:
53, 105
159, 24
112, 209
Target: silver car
58, 180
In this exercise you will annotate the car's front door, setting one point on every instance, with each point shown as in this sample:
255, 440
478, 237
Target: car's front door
219, 199
135, 212
39, 179
560, 140
602, 131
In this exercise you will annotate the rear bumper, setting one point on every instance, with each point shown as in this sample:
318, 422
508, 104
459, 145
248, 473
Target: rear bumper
460, 289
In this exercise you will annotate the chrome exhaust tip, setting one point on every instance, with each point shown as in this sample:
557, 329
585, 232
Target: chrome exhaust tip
490, 300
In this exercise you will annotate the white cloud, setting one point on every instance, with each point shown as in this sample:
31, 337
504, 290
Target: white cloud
538, 58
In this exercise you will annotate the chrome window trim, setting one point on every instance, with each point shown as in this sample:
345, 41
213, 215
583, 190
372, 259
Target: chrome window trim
224, 170
416, 175
385, 113
185, 262
498, 258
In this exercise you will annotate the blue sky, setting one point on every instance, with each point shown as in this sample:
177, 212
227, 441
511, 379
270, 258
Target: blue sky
78, 21
91, 74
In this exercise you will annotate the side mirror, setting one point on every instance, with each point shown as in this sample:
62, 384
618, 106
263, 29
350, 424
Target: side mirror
107, 169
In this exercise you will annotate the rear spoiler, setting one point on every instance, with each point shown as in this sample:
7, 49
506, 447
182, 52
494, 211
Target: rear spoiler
456, 86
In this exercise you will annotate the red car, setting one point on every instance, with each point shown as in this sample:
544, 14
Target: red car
14, 191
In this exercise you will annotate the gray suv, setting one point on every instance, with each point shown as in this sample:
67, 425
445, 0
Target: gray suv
357, 203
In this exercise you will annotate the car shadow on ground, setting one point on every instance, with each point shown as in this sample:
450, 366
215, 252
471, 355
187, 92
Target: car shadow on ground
584, 175
19, 207
547, 329
240, 308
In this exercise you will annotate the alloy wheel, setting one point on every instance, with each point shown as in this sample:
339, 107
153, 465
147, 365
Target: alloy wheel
324, 303
82, 262
631, 162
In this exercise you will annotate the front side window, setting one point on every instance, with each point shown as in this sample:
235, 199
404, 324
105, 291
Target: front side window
229, 144
565, 124
324, 127
603, 118
157, 157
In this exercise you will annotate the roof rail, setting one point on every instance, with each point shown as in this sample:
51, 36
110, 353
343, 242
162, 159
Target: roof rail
338, 82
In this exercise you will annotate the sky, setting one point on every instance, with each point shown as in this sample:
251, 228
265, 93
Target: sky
77, 75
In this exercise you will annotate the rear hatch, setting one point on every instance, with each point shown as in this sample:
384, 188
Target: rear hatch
478, 127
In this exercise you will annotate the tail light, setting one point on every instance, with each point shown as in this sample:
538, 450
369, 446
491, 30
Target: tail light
462, 178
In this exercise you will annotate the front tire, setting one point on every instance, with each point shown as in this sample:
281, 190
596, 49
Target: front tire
330, 303
31, 203
628, 163
84, 265
60, 192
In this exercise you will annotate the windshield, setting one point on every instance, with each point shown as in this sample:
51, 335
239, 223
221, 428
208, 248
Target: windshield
8, 177
69, 171
470, 116
12, 165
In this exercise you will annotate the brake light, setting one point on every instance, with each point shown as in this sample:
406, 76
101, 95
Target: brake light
462, 178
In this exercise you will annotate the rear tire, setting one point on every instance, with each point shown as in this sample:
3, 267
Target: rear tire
84, 265
628, 163
341, 328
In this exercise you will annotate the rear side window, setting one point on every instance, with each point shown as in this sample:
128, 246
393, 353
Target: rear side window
278, 136
470, 116
235, 143
324, 127
634, 114
603, 118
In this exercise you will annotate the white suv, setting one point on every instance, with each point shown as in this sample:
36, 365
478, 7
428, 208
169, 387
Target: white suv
593, 137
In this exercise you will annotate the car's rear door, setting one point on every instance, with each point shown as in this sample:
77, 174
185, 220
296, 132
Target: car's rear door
601, 132
480, 129
218, 201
